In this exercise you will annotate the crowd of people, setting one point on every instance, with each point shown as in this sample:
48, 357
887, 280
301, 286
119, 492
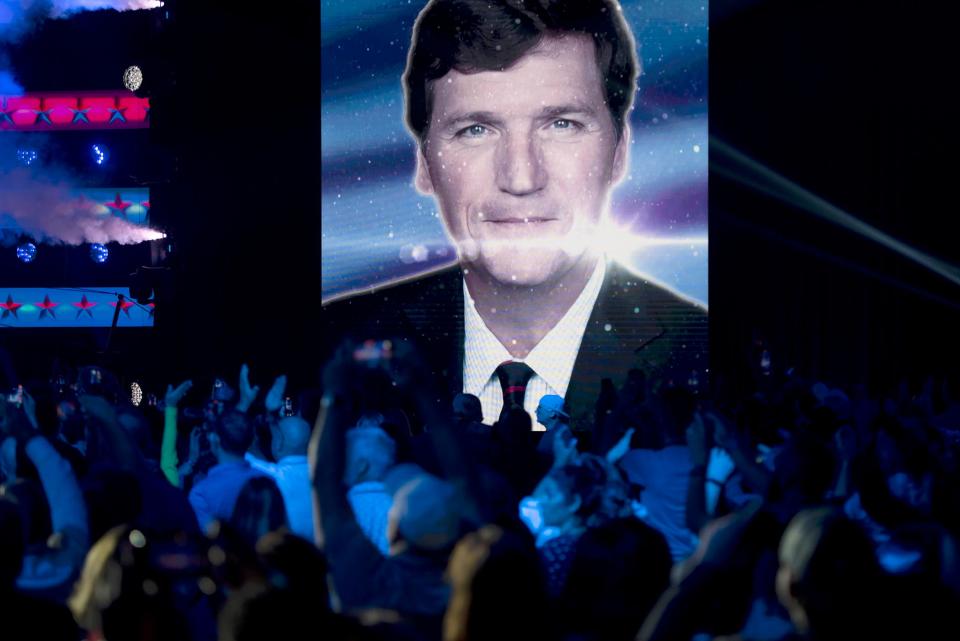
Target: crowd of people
365, 509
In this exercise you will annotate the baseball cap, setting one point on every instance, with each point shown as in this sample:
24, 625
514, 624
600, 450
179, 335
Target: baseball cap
553, 403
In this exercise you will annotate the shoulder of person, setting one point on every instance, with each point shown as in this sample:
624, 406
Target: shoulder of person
622, 287
410, 289
397, 308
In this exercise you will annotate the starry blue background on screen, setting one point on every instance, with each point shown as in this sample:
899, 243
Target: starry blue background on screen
375, 226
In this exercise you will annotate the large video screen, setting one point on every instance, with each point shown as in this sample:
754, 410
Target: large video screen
504, 210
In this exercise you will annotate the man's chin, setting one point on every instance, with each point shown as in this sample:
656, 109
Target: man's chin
517, 271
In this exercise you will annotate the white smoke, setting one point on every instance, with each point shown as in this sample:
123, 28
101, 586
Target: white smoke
38, 202
64, 7
19, 17
50, 212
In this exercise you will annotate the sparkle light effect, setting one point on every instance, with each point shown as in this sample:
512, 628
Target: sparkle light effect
132, 78
27, 156
136, 394
26, 252
100, 154
99, 253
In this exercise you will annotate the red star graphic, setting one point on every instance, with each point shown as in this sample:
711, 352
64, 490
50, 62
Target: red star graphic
46, 307
119, 205
10, 307
85, 306
124, 307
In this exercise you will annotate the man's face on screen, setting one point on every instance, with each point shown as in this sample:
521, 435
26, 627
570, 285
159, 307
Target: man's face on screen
522, 161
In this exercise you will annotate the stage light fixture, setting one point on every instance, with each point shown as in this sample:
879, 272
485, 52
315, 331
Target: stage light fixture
100, 154
27, 156
26, 252
99, 253
136, 393
132, 78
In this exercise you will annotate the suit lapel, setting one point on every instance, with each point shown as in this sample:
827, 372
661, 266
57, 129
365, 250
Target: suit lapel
620, 329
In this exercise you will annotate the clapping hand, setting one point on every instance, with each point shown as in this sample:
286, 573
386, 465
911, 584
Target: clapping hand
274, 399
174, 396
248, 393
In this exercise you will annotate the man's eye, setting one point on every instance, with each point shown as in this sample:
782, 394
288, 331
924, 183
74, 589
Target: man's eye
473, 131
562, 123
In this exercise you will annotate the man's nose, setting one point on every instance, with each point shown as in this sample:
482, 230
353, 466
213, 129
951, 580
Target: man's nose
520, 166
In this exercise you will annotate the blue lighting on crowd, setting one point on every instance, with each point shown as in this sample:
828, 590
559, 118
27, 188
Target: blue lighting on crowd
27, 156
26, 252
100, 154
99, 253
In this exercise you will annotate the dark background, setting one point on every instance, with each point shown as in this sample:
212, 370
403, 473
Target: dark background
852, 102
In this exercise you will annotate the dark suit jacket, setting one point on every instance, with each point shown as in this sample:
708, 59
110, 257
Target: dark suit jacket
634, 324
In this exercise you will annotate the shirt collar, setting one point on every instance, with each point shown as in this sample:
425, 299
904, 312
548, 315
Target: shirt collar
552, 358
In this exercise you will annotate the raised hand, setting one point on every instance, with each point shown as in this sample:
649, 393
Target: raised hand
723, 435
248, 393
622, 447
30, 409
720, 467
274, 399
174, 396
564, 447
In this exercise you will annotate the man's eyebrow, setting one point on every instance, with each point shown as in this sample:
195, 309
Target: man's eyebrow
488, 117
473, 116
553, 111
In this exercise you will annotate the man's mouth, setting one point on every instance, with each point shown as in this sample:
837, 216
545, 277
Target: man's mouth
532, 220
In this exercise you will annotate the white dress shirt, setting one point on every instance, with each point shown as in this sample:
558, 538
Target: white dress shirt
551, 359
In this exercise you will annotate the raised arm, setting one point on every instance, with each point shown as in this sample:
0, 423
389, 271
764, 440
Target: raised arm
68, 515
743, 458
168, 445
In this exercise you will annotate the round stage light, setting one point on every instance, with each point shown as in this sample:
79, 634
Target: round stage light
27, 156
26, 252
132, 78
100, 154
99, 253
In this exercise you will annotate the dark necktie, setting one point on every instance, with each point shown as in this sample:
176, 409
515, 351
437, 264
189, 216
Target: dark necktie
513, 380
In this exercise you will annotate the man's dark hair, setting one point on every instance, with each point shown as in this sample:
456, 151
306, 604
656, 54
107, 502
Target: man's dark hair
236, 432
491, 35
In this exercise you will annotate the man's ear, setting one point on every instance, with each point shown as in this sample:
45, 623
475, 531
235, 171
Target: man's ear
422, 180
621, 155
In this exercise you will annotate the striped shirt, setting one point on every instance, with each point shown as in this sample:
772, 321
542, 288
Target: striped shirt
552, 359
